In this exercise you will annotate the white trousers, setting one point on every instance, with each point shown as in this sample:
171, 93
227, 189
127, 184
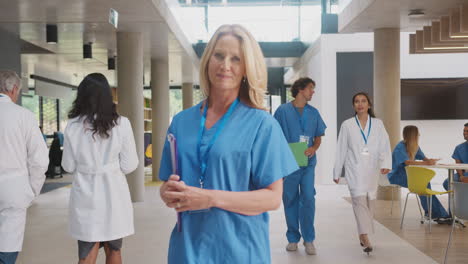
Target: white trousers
363, 208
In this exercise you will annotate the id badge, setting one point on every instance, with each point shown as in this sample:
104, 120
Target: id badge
365, 151
303, 138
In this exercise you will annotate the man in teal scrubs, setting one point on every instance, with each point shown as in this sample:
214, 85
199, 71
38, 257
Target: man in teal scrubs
460, 155
301, 123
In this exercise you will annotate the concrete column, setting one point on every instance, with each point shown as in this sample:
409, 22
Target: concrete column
187, 82
160, 108
387, 97
187, 95
10, 51
130, 96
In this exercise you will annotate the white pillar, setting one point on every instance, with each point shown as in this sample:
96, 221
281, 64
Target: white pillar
387, 100
187, 82
387, 80
130, 96
187, 95
160, 108
10, 52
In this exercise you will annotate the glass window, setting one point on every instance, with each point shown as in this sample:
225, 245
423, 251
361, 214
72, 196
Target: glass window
49, 109
197, 96
274, 23
65, 107
30, 101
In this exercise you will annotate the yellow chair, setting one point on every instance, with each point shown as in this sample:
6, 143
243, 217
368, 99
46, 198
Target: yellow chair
418, 179
149, 151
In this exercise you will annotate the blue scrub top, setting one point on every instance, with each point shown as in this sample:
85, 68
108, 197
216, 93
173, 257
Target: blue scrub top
290, 123
399, 156
250, 154
461, 153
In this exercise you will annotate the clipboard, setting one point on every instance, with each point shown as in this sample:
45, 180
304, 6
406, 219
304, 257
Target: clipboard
175, 170
298, 150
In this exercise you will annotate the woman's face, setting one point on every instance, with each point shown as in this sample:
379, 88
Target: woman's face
361, 105
226, 66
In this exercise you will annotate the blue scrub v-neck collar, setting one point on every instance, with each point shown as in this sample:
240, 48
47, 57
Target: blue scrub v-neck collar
200, 115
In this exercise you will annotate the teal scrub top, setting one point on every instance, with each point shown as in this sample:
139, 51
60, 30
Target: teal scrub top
291, 123
399, 156
461, 153
249, 154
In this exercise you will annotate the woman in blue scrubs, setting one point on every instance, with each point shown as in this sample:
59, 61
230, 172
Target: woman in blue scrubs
408, 152
232, 156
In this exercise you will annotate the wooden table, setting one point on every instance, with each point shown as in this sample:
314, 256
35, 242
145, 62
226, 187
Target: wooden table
450, 168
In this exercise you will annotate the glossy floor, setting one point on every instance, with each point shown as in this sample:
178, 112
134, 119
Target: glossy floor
47, 240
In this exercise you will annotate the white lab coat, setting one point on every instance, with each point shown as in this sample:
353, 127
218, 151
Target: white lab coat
100, 204
362, 172
23, 163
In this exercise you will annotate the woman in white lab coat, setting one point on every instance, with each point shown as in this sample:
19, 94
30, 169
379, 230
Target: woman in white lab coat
99, 149
363, 149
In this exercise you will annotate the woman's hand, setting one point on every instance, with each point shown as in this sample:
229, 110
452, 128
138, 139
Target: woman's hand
168, 186
187, 198
384, 171
336, 180
310, 152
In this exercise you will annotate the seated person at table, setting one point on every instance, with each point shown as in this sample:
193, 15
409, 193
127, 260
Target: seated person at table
460, 155
407, 152
55, 156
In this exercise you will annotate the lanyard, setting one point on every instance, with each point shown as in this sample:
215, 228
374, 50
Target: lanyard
204, 159
301, 118
362, 132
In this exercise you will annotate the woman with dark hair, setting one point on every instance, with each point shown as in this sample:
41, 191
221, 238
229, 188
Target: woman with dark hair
99, 149
408, 152
363, 149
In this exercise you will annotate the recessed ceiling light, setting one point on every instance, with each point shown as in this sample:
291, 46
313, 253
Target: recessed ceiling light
111, 63
51, 34
87, 51
415, 13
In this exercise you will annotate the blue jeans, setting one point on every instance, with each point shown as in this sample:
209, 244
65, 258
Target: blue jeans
8, 257
456, 178
299, 204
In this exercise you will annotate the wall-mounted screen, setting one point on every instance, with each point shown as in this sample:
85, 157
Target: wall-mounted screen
426, 99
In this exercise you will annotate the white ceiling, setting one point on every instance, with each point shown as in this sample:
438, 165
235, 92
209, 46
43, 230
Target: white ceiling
83, 21
367, 15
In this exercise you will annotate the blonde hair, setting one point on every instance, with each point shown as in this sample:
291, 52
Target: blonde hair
410, 137
252, 90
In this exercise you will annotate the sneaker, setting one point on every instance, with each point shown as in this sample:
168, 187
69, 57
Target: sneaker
444, 221
310, 248
291, 247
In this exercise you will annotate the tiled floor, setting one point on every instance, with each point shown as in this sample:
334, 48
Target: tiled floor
47, 241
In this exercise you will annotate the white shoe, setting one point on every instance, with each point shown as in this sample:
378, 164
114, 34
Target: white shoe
310, 248
291, 247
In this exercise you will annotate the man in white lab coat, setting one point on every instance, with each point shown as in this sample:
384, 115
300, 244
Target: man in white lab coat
23, 162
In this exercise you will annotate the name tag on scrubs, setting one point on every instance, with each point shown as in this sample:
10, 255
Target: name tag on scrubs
303, 138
